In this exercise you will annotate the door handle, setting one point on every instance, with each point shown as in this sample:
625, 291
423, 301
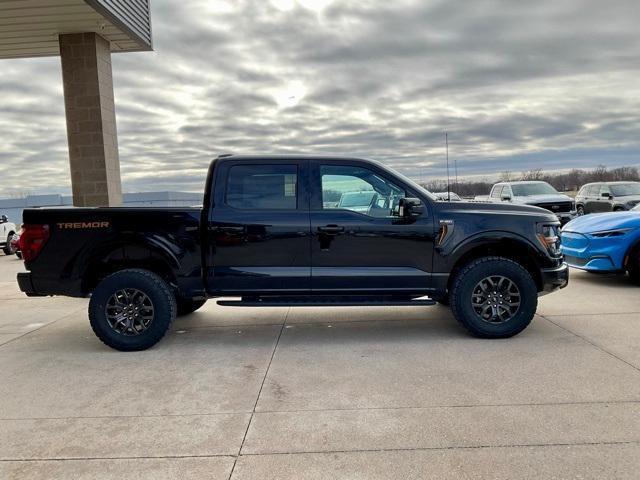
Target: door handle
331, 229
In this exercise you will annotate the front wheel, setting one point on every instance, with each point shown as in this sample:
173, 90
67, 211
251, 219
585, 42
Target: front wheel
131, 309
580, 210
494, 297
633, 265
9, 249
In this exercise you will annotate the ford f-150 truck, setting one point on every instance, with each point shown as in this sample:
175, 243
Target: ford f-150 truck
536, 193
270, 232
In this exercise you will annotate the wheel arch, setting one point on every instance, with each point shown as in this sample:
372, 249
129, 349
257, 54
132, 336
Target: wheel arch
110, 258
498, 244
633, 248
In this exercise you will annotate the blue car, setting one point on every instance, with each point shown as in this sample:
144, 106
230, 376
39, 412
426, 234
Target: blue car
606, 242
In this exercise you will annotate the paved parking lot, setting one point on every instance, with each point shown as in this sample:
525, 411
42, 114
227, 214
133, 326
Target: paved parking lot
307, 393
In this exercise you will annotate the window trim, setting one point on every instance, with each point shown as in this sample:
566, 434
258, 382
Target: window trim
316, 188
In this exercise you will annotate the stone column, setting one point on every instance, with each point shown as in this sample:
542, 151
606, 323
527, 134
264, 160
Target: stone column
91, 120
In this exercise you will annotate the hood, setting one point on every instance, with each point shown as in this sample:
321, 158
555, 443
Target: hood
497, 208
603, 221
627, 198
546, 198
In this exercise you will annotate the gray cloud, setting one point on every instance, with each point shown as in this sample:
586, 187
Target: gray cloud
517, 84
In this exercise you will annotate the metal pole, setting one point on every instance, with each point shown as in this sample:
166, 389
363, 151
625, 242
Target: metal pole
446, 141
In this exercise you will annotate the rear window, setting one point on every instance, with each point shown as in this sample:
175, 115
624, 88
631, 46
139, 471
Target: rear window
263, 187
497, 191
625, 189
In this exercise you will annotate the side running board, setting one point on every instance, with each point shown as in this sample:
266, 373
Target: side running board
326, 301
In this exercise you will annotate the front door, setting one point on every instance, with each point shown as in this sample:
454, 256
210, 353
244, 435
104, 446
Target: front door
360, 244
592, 198
258, 229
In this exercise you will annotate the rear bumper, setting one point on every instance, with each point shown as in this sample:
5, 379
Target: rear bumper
26, 285
554, 278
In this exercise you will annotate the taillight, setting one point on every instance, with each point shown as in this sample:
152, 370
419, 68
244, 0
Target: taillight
32, 240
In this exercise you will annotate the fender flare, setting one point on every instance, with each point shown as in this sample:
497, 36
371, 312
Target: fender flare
489, 237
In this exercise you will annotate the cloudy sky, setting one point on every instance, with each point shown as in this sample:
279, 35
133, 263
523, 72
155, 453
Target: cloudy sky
517, 84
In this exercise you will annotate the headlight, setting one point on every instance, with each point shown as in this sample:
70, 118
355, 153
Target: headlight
549, 238
611, 233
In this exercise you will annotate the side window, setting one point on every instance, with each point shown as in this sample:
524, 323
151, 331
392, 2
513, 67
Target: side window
497, 191
506, 191
594, 190
262, 187
605, 189
359, 190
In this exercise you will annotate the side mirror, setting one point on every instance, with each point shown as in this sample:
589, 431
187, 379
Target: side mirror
410, 207
506, 198
606, 195
4, 219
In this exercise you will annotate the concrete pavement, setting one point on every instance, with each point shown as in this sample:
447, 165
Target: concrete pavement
308, 393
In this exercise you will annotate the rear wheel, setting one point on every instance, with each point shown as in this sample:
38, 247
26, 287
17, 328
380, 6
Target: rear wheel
494, 297
188, 305
131, 309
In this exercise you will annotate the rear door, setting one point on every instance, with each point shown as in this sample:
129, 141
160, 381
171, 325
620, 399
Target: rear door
258, 228
362, 245
605, 204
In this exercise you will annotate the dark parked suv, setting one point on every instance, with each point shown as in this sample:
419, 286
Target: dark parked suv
607, 197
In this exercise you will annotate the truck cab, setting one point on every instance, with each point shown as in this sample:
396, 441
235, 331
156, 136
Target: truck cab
535, 193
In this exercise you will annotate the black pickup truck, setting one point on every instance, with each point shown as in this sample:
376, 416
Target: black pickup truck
280, 230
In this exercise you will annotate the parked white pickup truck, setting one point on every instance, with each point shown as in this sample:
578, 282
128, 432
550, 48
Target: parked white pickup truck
7, 230
536, 193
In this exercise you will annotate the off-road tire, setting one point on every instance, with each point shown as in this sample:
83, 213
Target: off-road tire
188, 305
154, 287
441, 299
466, 280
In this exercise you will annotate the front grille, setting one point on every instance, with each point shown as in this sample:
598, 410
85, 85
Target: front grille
556, 207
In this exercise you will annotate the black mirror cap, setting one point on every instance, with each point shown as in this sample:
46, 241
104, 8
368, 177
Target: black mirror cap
506, 198
4, 219
411, 207
606, 195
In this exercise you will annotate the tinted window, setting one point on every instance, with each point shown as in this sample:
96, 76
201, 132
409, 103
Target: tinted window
263, 187
360, 190
624, 189
497, 191
593, 190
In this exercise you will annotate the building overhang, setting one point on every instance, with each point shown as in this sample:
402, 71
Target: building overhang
30, 28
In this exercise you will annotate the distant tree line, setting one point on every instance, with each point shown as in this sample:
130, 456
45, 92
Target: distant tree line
563, 182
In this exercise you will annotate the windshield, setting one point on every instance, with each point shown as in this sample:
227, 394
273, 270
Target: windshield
624, 189
528, 189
